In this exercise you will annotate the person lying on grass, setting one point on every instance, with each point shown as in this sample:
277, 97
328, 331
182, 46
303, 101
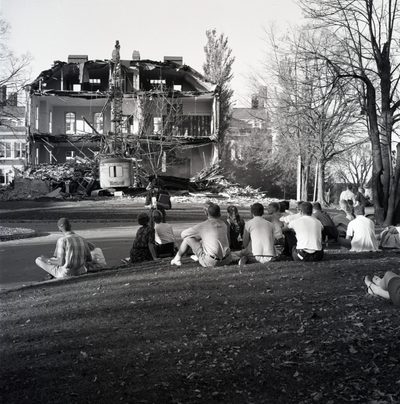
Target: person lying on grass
387, 287
208, 240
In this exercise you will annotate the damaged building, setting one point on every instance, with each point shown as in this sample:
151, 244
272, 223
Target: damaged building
12, 137
163, 116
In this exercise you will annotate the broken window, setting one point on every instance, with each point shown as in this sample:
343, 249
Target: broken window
98, 122
70, 123
70, 155
115, 171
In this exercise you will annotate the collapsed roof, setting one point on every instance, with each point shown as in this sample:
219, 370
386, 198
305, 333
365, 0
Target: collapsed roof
94, 76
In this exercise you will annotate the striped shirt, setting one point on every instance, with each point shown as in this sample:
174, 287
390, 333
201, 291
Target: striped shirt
72, 252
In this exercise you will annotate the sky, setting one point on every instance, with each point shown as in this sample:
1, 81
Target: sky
51, 30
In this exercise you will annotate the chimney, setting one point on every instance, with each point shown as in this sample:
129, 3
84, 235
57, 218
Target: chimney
254, 102
135, 55
77, 58
176, 59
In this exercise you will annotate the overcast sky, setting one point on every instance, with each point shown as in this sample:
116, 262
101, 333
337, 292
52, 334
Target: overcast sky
52, 29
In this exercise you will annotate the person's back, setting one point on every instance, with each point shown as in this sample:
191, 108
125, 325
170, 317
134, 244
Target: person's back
361, 230
330, 229
261, 234
213, 235
308, 233
164, 233
75, 248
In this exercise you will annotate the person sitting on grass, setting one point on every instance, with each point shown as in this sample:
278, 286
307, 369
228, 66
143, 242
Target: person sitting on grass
387, 287
70, 256
306, 242
330, 231
143, 245
273, 215
360, 234
258, 238
163, 236
235, 226
208, 241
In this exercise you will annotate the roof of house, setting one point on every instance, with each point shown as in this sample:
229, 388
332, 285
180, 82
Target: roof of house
249, 114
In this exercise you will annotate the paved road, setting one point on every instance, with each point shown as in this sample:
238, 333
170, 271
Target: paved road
17, 257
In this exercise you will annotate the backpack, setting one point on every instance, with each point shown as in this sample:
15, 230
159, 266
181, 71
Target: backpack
164, 200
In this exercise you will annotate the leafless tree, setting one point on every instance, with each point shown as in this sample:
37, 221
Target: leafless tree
368, 33
314, 116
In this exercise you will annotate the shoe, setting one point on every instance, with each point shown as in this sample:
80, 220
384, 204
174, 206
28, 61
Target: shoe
176, 261
194, 258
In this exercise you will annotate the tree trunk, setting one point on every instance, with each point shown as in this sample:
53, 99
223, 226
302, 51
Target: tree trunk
304, 180
321, 184
392, 215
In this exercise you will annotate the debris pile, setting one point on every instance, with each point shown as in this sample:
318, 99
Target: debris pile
212, 179
49, 180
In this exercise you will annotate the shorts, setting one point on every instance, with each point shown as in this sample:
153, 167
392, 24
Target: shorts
204, 259
394, 290
301, 255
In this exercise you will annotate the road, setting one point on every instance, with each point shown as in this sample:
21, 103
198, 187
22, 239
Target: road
17, 257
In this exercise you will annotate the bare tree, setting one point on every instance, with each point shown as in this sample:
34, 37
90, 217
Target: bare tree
314, 117
13, 75
368, 33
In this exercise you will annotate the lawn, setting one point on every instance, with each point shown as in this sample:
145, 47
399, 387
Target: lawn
286, 333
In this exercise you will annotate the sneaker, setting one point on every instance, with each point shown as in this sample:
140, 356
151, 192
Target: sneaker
176, 261
194, 258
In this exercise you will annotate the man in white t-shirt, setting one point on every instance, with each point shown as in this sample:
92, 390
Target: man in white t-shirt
258, 238
348, 195
308, 231
360, 234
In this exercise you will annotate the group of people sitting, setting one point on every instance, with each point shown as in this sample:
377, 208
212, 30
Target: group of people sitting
219, 241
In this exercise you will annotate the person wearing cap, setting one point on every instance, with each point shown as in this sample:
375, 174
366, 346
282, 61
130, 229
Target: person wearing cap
70, 256
208, 240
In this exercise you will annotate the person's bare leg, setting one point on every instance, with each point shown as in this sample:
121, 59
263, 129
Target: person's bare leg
375, 290
386, 279
181, 251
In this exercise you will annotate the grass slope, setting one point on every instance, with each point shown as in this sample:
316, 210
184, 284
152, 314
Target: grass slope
286, 333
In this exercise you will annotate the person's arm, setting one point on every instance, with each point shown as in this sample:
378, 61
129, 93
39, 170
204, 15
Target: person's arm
246, 237
153, 251
349, 232
59, 253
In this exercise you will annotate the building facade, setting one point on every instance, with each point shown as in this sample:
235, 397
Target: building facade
13, 143
163, 115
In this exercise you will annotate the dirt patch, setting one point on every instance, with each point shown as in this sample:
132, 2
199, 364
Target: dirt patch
286, 333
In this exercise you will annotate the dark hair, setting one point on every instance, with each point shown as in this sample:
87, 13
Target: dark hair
317, 206
257, 209
157, 216
143, 219
283, 205
359, 210
275, 205
64, 223
306, 208
214, 210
